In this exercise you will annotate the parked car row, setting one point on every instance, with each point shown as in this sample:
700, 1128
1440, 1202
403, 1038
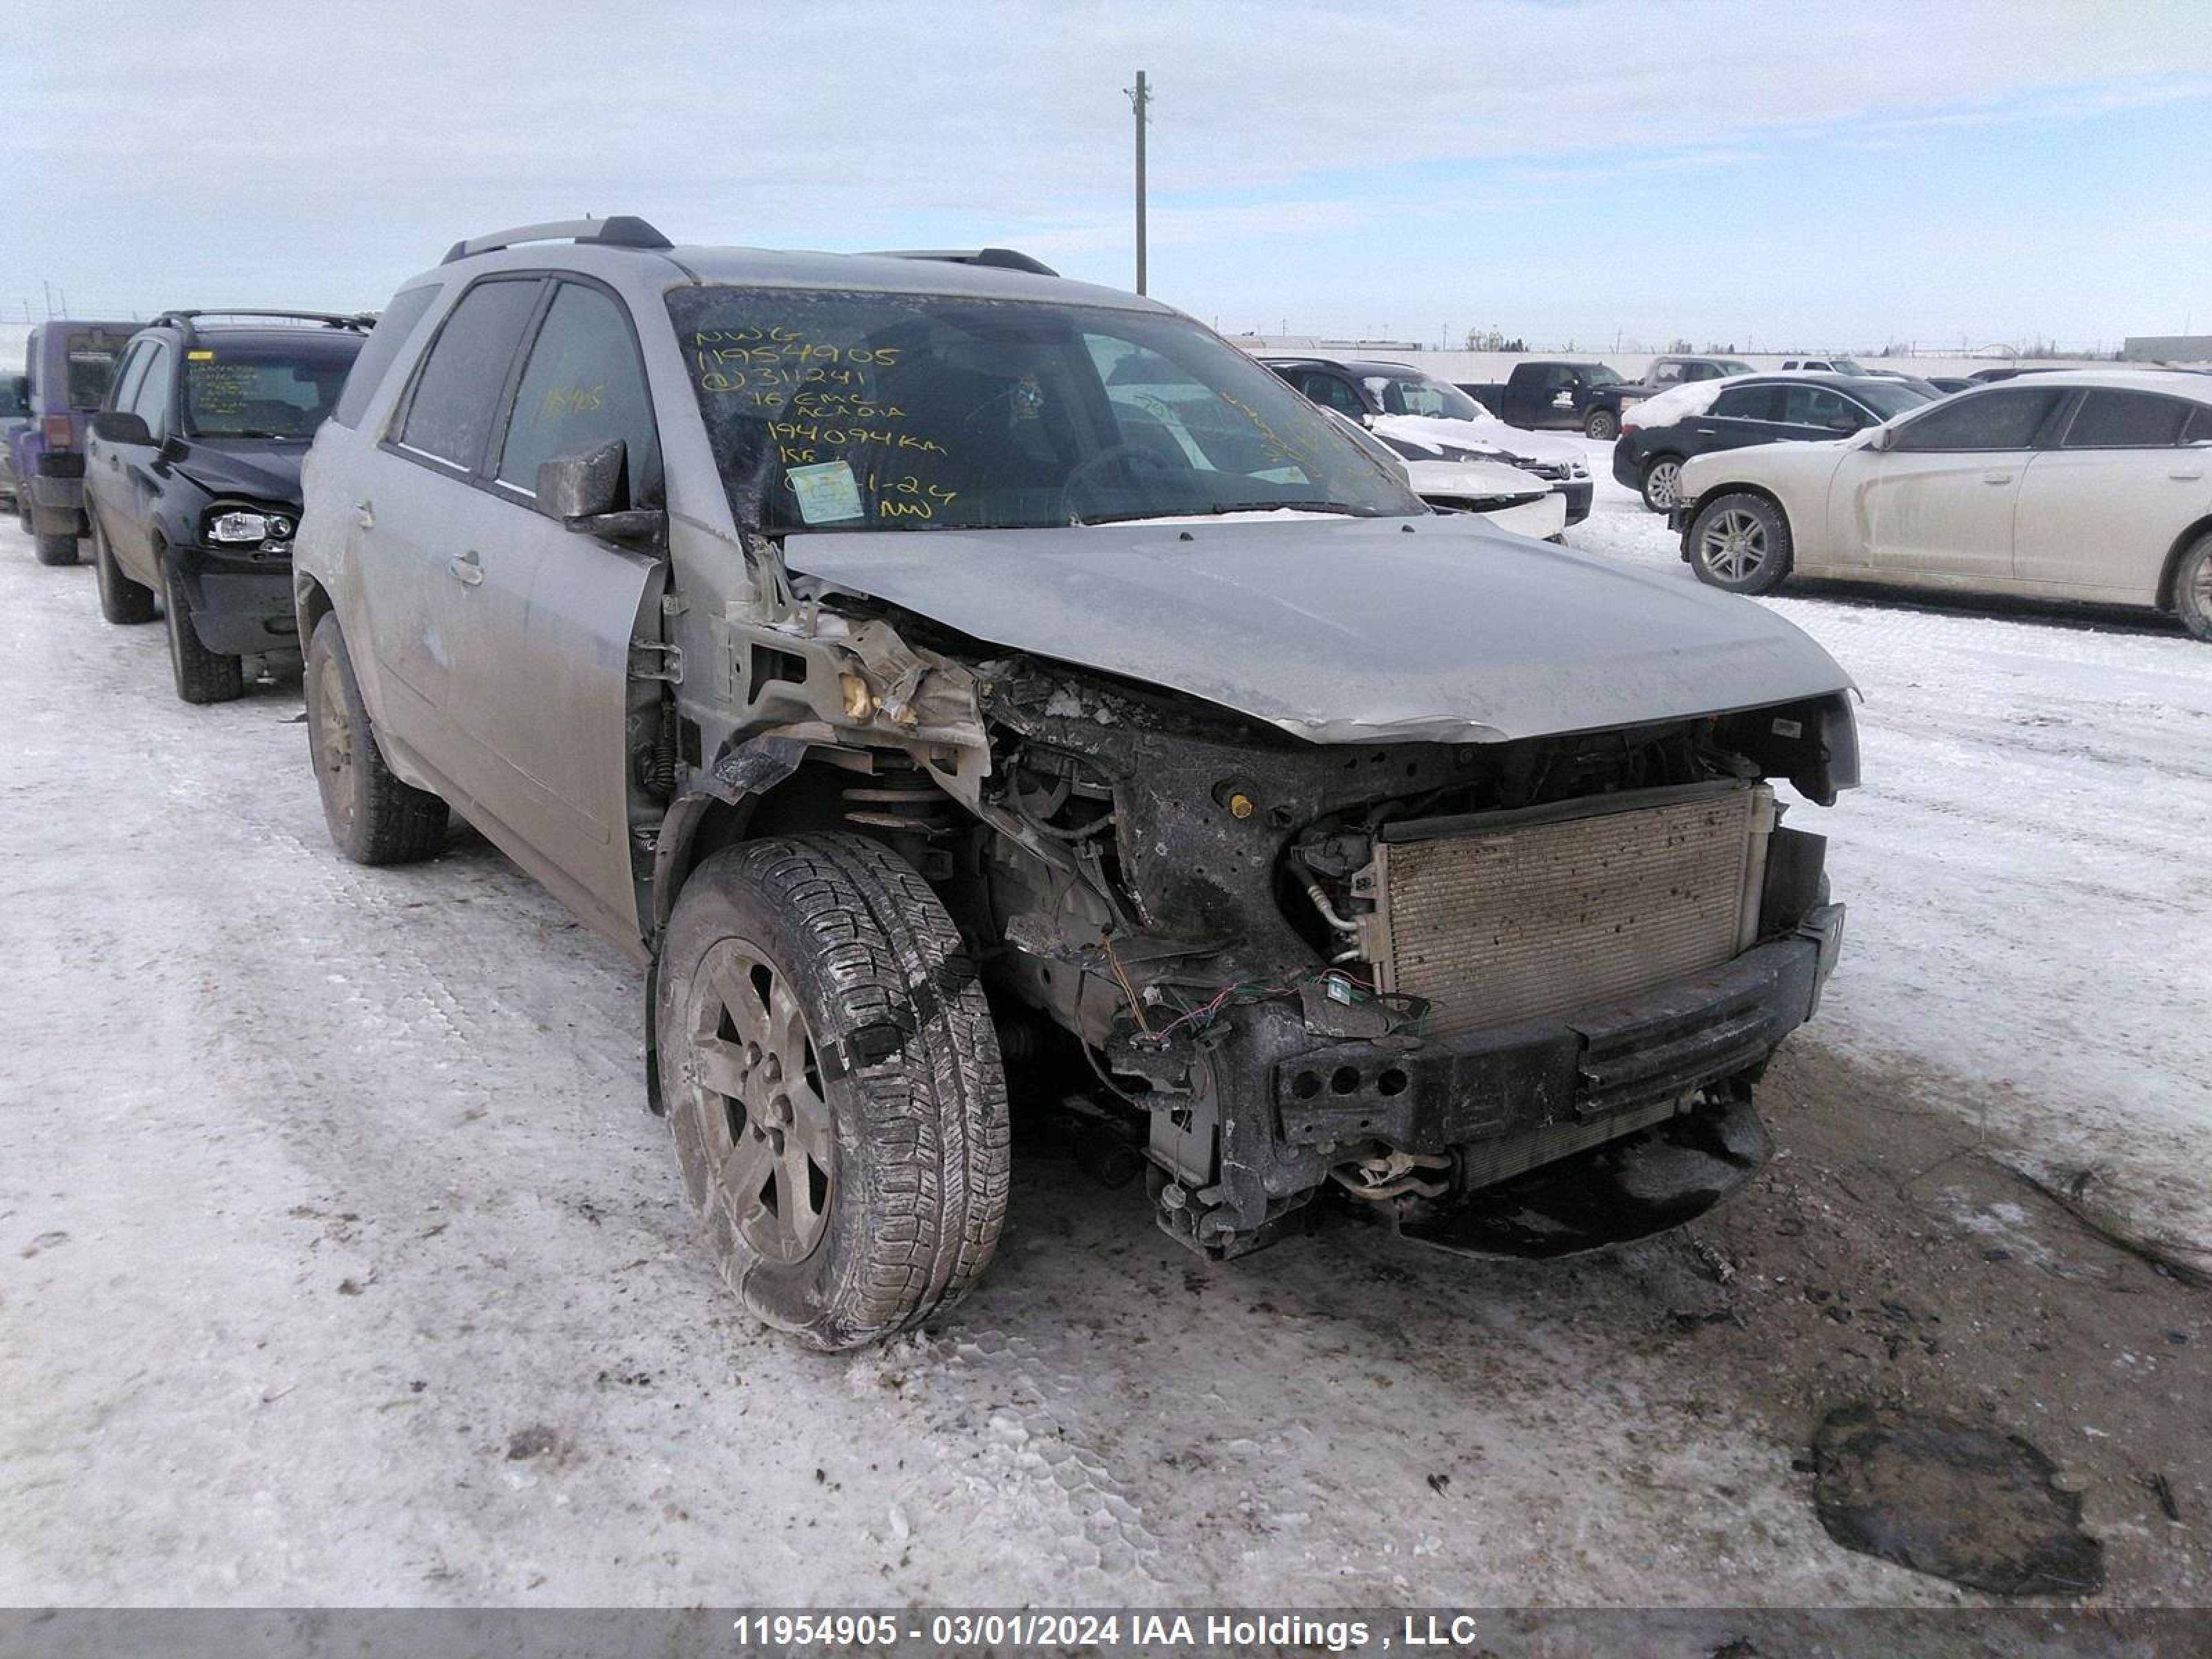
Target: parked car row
1663, 432
928, 668
2089, 485
1588, 397
1424, 418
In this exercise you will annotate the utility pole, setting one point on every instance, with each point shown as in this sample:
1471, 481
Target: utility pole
1140, 97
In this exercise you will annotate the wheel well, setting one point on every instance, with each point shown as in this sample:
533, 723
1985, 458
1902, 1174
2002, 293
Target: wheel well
312, 603
2187, 539
1659, 455
811, 799
1719, 490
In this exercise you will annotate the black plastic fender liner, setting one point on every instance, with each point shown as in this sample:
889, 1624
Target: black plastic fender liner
750, 768
1643, 1184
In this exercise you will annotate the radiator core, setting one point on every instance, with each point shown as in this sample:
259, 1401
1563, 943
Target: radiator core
1517, 915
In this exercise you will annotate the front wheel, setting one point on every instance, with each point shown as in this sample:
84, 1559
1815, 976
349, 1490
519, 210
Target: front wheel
1602, 424
1740, 542
1662, 483
833, 1086
56, 549
202, 676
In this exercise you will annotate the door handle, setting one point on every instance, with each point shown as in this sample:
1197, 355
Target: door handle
468, 567
364, 515
2186, 474
1996, 478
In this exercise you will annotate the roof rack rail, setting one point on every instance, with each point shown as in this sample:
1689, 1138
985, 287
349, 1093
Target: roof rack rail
1004, 259
620, 230
185, 320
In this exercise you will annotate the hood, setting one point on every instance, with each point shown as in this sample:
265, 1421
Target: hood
1350, 630
1433, 430
1474, 480
259, 470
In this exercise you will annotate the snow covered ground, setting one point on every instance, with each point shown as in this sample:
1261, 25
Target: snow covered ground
338, 1263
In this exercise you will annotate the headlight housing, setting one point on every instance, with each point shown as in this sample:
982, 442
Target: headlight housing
246, 526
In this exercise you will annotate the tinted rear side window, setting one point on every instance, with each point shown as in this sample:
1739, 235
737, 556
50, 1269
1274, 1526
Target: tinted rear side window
2199, 430
2127, 420
1749, 402
376, 356
1986, 420
457, 394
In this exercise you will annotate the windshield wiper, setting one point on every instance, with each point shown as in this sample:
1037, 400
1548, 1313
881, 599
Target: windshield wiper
1294, 507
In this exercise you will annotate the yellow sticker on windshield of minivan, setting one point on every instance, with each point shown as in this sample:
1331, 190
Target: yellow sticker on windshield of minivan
200, 356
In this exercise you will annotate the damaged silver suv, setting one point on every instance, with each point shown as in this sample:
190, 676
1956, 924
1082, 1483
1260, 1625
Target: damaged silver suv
930, 668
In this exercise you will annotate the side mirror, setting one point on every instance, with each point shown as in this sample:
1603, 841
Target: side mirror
1884, 437
118, 426
585, 491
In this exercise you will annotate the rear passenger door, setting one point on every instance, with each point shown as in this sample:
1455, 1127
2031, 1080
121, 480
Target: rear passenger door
543, 615
418, 504
133, 484
2098, 514
1739, 415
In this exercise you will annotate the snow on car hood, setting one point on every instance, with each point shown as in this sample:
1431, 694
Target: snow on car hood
1434, 430
1350, 630
1461, 480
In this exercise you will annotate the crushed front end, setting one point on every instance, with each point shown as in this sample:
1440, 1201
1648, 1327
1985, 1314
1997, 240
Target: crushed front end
1501, 996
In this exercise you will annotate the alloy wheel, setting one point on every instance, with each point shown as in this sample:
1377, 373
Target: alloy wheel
1662, 485
332, 741
1734, 546
761, 1112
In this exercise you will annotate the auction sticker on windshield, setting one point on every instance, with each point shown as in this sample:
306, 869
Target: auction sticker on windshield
827, 493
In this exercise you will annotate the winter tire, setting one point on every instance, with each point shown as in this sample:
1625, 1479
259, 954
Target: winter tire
57, 549
833, 1086
202, 676
374, 817
1740, 542
121, 599
1602, 424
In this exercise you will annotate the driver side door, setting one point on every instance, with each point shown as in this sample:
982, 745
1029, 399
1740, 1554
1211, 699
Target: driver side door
541, 673
1938, 504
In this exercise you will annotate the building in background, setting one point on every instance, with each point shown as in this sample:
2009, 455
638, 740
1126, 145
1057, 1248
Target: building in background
2167, 349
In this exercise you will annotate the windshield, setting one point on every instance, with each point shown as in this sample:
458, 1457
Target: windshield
263, 390
1419, 394
1887, 398
1846, 365
912, 411
1599, 374
91, 354
1734, 366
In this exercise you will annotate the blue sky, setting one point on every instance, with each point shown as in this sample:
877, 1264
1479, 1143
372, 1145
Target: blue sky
1759, 174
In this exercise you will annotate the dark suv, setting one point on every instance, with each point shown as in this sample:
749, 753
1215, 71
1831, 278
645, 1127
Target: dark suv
192, 481
927, 668
69, 366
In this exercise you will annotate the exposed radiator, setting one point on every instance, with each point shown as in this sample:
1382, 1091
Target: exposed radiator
1506, 916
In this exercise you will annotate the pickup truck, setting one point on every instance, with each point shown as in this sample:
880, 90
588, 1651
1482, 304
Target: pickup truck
1589, 397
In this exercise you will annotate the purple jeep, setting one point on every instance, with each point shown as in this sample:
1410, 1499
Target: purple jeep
68, 365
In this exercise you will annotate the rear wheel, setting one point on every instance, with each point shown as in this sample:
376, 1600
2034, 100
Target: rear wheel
1741, 543
1601, 424
374, 817
833, 1086
56, 549
1663, 483
202, 676
121, 599
2192, 590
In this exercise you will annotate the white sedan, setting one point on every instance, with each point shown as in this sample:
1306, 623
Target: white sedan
2089, 485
